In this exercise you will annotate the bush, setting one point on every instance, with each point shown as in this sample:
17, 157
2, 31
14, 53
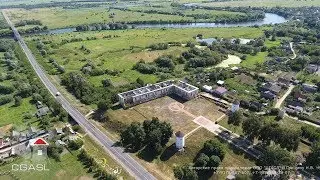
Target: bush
5, 99
17, 101
76, 144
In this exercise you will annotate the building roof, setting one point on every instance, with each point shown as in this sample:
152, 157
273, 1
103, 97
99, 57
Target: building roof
179, 134
220, 90
272, 87
59, 130
32, 129
220, 82
236, 102
15, 133
38, 142
234, 68
206, 87
42, 111
312, 67
268, 94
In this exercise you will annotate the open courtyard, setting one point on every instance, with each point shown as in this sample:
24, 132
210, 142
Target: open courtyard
180, 114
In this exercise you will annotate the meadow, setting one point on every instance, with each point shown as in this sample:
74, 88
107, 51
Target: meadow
124, 48
15, 115
258, 3
59, 17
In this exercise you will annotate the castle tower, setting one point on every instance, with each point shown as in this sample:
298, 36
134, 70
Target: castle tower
180, 141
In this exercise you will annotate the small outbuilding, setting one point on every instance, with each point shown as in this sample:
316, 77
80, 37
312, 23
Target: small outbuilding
235, 106
220, 82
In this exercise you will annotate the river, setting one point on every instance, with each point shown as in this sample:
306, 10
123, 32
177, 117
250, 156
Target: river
269, 19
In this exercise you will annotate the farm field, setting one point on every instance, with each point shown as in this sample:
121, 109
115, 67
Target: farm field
123, 48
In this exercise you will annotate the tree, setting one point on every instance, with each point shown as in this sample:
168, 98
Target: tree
102, 105
235, 118
54, 151
17, 101
133, 136
214, 161
75, 144
106, 82
165, 62
214, 147
313, 159
164, 127
140, 81
276, 156
252, 126
202, 160
153, 141
185, 173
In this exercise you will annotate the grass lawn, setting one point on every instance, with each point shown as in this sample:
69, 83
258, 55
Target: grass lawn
100, 155
236, 129
252, 61
163, 166
242, 88
68, 168
203, 107
124, 49
308, 78
160, 108
14, 115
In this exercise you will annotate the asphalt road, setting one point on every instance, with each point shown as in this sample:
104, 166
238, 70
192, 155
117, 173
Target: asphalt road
124, 159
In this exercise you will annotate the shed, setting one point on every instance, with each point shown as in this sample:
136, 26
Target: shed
220, 91
220, 82
42, 112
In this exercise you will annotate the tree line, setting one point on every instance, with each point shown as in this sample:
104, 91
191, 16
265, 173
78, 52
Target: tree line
28, 22
102, 26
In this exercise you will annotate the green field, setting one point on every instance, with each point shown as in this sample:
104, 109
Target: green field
29, 2
68, 168
14, 115
125, 48
260, 3
59, 17
252, 61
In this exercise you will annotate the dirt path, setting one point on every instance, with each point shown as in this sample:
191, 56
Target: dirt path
280, 101
293, 52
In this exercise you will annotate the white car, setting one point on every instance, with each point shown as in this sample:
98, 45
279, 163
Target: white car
58, 94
